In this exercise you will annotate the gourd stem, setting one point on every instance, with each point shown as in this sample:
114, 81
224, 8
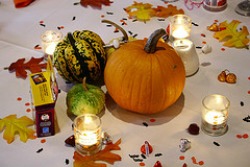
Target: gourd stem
84, 85
125, 35
150, 46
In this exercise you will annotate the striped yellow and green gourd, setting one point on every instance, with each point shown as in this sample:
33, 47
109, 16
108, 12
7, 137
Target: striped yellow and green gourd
80, 55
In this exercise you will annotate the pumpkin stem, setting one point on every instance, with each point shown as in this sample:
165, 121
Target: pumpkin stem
84, 85
125, 35
150, 46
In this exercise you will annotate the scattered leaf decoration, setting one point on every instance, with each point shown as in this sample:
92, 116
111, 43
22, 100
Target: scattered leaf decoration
144, 11
165, 12
34, 65
95, 3
140, 11
104, 155
14, 125
215, 27
231, 36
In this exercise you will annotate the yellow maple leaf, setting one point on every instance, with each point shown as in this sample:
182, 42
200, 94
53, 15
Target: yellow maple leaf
140, 11
231, 36
14, 125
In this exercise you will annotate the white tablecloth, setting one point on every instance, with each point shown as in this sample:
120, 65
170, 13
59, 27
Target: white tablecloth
20, 32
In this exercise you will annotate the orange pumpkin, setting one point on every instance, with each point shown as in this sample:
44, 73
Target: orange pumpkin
145, 76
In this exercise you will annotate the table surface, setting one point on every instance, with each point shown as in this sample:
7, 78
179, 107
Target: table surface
20, 32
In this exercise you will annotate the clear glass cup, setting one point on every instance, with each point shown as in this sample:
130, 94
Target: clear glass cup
180, 27
50, 39
87, 133
215, 115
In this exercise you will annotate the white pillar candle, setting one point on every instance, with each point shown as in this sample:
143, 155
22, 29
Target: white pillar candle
186, 50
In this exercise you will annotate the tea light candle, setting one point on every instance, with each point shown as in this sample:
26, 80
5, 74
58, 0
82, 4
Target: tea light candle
215, 115
186, 50
87, 132
50, 39
180, 26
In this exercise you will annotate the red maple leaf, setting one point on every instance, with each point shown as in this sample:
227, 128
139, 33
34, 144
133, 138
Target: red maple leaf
34, 65
95, 3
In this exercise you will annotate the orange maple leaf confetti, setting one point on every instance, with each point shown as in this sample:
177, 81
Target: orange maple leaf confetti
104, 155
231, 36
13, 125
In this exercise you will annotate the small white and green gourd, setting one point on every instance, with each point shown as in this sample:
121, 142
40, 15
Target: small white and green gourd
85, 99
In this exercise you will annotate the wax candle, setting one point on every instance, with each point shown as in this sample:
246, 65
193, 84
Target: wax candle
186, 50
214, 118
87, 132
215, 115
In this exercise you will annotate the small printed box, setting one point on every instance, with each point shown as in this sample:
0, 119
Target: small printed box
44, 91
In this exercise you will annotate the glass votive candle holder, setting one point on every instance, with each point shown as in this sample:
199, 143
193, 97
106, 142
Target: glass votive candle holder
50, 39
180, 26
215, 115
87, 133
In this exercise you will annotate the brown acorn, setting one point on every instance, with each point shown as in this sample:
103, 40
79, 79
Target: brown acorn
222, 76
231, 78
